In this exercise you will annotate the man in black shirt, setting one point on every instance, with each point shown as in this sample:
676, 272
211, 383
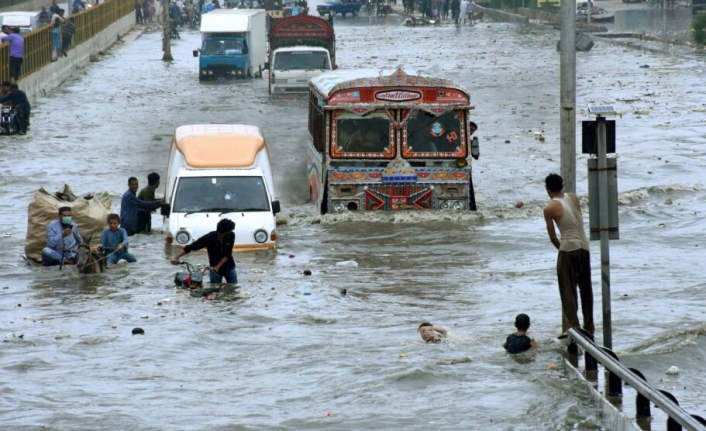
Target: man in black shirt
22, 107
219, 245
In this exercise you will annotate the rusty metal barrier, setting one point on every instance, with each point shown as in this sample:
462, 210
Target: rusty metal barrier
88, 23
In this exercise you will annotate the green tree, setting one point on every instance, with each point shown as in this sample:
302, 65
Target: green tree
698, 26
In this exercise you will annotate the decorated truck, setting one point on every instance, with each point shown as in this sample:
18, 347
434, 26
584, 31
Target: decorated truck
301, 48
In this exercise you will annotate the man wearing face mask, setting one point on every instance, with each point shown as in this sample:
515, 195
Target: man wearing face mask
63, 238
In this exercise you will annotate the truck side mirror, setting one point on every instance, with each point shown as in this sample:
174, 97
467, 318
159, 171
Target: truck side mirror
275, 207
165, 209
267, 65
475, 148
196, 53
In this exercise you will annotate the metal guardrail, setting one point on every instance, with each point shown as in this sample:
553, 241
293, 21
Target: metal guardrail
618, 373
88, 24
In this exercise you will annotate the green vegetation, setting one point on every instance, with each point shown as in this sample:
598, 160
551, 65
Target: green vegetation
698, 26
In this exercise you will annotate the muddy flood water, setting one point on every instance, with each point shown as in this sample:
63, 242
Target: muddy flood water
264, 356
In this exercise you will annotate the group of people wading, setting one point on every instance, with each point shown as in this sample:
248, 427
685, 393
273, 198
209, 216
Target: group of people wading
64, 237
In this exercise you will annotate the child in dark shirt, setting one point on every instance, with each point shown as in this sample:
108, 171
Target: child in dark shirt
519, 342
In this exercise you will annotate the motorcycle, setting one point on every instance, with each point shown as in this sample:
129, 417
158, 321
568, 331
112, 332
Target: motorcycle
7, 121
192, 279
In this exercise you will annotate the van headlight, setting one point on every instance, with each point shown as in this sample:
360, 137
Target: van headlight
260, 236
183, 237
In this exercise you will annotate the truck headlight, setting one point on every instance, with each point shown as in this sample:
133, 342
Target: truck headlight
339, 207
183, 237
458, 205
260, 236
444, 205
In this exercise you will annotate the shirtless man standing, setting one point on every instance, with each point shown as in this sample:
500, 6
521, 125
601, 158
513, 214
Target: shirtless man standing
573, 264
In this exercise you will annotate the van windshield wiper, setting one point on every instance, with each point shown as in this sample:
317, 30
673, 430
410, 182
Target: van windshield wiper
212, 210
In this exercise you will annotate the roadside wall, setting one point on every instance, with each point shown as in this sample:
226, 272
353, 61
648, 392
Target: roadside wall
499, 15
53, 74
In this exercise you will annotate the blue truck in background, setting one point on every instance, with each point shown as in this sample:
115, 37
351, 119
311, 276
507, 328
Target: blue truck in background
335, 7
233, 44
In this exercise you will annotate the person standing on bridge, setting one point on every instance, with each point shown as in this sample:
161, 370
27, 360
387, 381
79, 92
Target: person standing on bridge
54, 8
69, 30
17, 52
574, 261
56, 21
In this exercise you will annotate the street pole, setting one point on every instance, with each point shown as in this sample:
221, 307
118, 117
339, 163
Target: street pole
601, 135
567, 117
166, 42
664, 20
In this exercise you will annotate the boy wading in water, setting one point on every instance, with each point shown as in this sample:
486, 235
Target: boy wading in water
519, 342
573, 266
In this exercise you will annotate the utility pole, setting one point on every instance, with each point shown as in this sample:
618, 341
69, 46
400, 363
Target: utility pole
166, 42
603, 204
567, 117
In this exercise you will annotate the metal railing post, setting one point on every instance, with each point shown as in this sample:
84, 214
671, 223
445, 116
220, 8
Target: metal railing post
678, 418
642, 404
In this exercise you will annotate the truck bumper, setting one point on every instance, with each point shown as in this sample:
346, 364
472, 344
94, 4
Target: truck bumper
222, 71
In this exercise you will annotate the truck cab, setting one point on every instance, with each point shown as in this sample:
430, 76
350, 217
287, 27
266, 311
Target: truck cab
220, 171
302, 47
233, 44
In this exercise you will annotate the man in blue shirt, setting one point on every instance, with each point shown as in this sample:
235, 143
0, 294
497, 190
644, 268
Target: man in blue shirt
63, 238
114, 242
131, 204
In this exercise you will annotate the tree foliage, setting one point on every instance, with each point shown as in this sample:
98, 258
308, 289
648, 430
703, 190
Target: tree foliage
698, 26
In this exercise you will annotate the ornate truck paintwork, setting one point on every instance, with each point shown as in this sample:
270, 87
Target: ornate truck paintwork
388, 141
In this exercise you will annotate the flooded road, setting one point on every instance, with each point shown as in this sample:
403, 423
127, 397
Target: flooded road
266, 356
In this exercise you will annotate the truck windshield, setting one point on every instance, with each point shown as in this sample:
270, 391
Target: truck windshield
301, 60
357, 134
222, 47
220, 194
429, 134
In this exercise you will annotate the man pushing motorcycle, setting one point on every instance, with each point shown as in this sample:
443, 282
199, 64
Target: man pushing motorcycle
22, 108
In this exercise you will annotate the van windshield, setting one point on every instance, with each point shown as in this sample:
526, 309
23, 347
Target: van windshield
220, 194
301, 60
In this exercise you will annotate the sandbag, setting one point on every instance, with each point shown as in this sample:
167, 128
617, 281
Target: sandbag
89, 212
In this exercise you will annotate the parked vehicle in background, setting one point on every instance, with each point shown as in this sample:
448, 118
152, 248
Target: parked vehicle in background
301, 47
26, 21
234, 43
335, 7
220, 171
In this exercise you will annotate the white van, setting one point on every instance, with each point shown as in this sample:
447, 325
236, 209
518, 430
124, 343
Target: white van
220, 171
26, 21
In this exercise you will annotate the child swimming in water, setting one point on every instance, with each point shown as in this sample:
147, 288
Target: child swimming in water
431, 333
